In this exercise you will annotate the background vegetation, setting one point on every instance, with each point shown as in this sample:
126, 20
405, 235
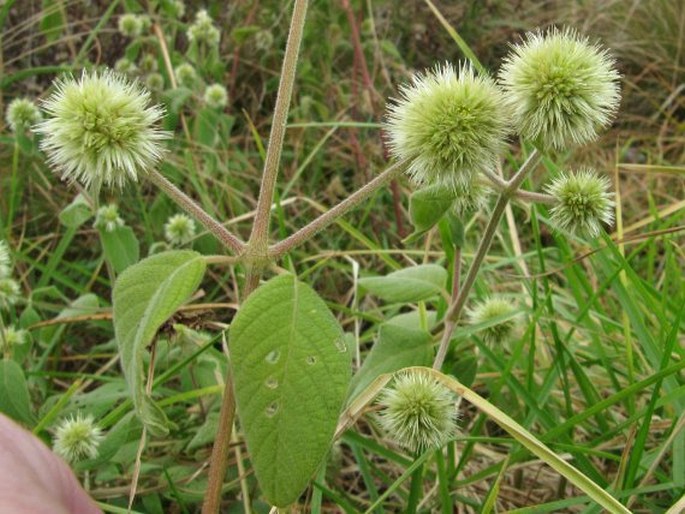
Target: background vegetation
595, 369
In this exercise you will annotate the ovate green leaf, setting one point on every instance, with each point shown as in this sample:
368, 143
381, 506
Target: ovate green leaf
428, 205
407, 285
145, 296
14, 392
291, 371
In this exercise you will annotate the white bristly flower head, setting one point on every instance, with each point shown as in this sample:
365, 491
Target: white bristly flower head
216, 96
561, 88
108, 219
584, 202
12, 337
489, 310
449, 123
179, 229
21, 114
101, 130
77, 438
418, 411
5, 260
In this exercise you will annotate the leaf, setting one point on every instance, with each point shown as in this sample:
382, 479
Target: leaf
76, 213
14, 392
407, 285
397, 347
428, 205
145, 296
121, 247
206, 126
53, 22
291, 371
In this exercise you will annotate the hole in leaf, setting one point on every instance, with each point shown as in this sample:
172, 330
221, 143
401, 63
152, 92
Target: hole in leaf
271, 409
311, 360
273, 356
271, 382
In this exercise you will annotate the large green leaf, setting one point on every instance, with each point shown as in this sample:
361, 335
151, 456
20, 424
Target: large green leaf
407, 285
397, 347
291, 370
14, 392
145, 296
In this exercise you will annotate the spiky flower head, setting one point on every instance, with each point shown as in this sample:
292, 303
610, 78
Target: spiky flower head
418, 411
584, 202
203, 30
21, 114
470, 197
131, 25
77, 438
216, 96
179, 229
490, 310
10, 292
562, 88
125, 66
101, 130
186, 75
107, 218
11, 337
155, 82
5, 260
449, 123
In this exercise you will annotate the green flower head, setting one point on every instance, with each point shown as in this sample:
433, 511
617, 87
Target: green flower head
488, 311
131, 25
449, 124
470, 197
12, 337
108, 219
21, 114
584, 202
561, 88
77, 438
101, 130
418, 411
5, 260
186, 75
148, 63
216, 96
154, 82
179, 229
203, 30
10, 292
125, 66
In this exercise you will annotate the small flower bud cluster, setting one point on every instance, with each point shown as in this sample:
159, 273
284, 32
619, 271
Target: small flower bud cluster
490, 310
10, 292
179, 229
418, 412
21, 114
77, 438
203, 30
108, 219
216, 96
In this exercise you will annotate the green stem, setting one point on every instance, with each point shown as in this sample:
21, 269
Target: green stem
258, 242
415, 490
188, 204
454, 311
328, 217
13, 188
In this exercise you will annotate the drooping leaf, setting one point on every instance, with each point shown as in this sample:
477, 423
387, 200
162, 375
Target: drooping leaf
397, 347
145, 296
76, 213
407, 285
291, 371
14, 392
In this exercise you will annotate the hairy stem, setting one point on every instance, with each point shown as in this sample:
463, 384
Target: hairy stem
328, 217
188, 204
258, 241
456, 307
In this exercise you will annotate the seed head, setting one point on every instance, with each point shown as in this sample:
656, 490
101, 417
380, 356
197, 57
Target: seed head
21, 114
101, 130
562, 88
10, 292
186, 75
489, 310
77, 438
584, 202
179, 229
216, 96
5, 260
131, 25
418, 411
449, 123
203, 30
107, 218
